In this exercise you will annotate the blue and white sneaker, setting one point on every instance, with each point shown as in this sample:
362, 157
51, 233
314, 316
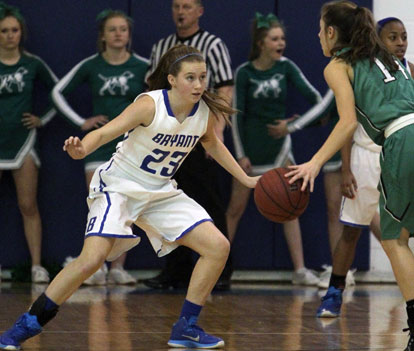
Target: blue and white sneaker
331, 304
24, 328
188, 334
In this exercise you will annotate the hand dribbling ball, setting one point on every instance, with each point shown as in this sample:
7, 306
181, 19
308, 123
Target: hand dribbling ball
276, 199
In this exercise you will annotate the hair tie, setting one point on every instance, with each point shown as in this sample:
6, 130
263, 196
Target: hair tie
381, 23
183, 57
265, 21
104, 14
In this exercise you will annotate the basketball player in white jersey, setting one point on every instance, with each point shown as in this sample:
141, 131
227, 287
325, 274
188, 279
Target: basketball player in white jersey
161, 127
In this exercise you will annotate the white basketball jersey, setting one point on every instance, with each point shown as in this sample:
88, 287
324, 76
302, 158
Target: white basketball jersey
362, 139
154, 153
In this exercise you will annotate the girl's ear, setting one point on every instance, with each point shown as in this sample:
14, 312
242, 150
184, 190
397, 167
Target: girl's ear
171, 80
331, 32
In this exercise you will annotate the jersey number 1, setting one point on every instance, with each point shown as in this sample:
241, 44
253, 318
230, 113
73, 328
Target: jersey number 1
388, 76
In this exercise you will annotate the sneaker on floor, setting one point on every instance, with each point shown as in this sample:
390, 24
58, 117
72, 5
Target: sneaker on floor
325, 277
410, 345
98, 278
331, 304
304, 276
120, 276
40, 274
350, 278
189, 335
24, 328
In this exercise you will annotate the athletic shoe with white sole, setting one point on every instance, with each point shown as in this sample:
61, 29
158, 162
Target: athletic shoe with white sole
39, 275
331, 304
189, 335
24, 328
120, 276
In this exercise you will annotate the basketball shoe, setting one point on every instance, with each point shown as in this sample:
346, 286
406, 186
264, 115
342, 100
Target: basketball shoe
40, 274
24, 328
410, 345
331, 304
120, 276
304, 276
188, 334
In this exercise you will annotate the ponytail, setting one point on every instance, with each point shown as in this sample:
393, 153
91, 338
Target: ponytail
356, 29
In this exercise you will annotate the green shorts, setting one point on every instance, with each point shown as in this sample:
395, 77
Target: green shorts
397, 184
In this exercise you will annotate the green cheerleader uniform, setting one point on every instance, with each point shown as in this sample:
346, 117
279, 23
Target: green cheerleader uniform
16, 97
327, 107
261, 99
113, 88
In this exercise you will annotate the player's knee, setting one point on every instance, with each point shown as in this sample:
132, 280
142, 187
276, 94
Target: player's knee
28, 207
222, 248
90, 264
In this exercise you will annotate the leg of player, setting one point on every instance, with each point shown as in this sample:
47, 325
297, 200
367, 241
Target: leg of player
237, 205
214, 249
332, 185
93, 254
402, 262
375, 226
342, 259
333, 193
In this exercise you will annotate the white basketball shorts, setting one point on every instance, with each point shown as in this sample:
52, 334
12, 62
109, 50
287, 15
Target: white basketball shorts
366, 169
164, 212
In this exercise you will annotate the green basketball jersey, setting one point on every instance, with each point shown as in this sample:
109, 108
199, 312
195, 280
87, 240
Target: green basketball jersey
381, 96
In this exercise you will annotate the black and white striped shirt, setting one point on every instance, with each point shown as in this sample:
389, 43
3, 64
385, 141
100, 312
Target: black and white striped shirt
215, 52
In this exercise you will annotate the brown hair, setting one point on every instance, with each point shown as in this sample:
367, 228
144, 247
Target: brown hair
102, 18
356, 29
171, 63
258, 35
11, 11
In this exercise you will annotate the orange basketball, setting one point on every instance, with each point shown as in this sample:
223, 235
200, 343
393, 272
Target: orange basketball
277, 200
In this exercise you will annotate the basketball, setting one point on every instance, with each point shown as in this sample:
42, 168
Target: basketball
276, 199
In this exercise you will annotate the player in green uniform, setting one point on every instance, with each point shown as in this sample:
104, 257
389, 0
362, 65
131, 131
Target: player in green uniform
261, 92
115, 76
372, 85
19, 71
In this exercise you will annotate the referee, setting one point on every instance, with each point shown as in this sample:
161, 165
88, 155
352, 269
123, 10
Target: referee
198, 176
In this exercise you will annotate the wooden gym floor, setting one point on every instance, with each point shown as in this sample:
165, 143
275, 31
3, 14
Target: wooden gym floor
249, 317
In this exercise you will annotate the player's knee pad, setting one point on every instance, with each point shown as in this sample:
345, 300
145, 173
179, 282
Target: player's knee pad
44, 309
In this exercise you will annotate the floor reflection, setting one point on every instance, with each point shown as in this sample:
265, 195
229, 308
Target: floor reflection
249, 317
